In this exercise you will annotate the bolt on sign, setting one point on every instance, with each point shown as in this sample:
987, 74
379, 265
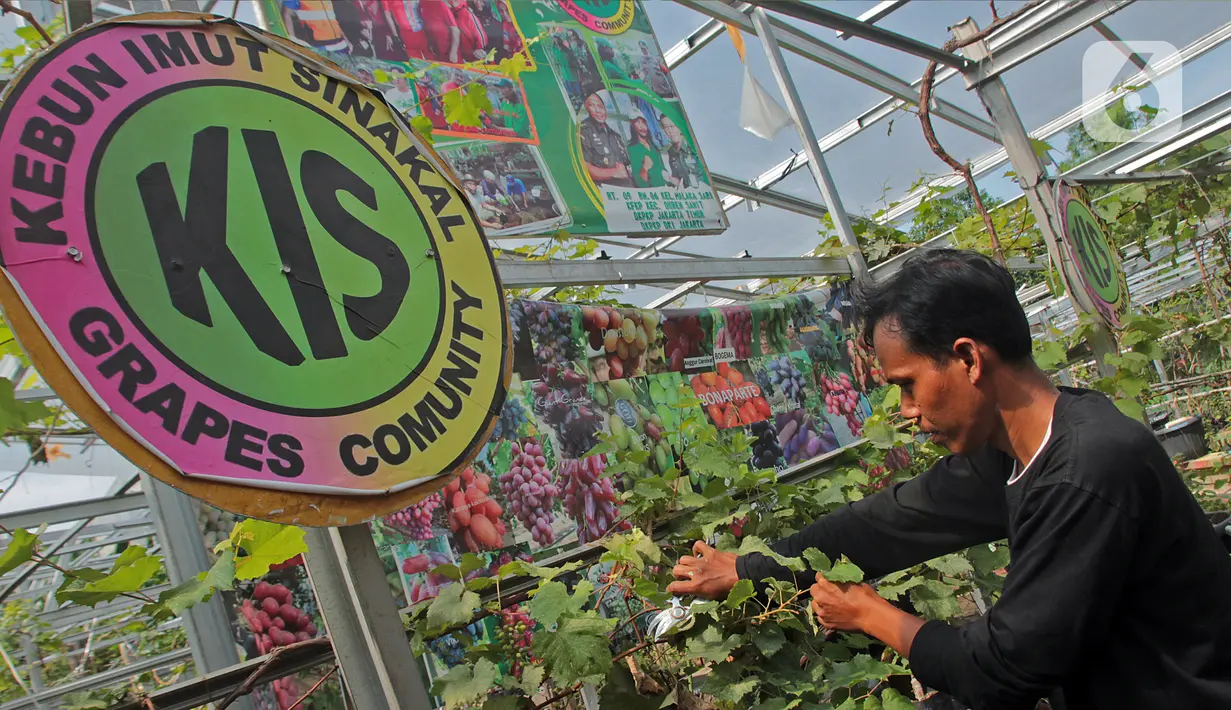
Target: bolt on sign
1099, 281
248, 262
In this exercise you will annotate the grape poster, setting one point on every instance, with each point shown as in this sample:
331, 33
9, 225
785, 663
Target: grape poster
787, 371
552, 113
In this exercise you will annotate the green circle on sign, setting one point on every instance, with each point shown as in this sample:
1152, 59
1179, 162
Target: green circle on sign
1097, 262
344, 337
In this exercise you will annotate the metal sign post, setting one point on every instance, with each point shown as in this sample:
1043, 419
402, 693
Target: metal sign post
1032, 177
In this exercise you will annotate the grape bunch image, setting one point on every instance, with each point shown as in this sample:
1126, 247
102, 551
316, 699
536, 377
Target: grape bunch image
841, 399
784, 376
771, 324
474, 518
634, 427
551, 332
516, 633
736, 331
687, 336
800, 437
766, 451
866, 370
426, 585
275, 622
450, 650
512, 420
590, 497
624, 341
530, 491
416, 521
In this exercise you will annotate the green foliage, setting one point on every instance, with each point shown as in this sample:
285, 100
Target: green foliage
262, 544
20, 550
131, 571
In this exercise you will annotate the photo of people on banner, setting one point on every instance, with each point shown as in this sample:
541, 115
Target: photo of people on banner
508, 186
447, 31
618, 157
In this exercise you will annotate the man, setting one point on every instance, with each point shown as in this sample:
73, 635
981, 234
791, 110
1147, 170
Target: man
516, 189
1119, 592
654, 72
678, 154
319, 21
603, 149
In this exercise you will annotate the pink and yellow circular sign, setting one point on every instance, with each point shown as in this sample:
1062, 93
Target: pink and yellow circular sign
248, 261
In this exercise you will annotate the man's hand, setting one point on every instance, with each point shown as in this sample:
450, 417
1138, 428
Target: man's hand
843, 606
621, 171
857, 607
709, 575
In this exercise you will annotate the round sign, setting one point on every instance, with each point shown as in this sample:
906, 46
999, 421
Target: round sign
1095, 259
610, 17
248, 261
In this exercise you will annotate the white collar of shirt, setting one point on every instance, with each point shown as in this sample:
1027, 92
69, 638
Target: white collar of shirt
1017, 475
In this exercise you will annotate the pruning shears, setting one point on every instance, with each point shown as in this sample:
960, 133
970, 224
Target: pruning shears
676, 617
673, 619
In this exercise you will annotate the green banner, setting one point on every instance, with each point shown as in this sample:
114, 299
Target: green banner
554, 115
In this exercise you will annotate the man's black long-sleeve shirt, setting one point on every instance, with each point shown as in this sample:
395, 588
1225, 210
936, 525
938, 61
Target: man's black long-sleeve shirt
1119, 591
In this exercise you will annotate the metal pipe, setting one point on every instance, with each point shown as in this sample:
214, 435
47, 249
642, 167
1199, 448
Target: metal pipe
816, 161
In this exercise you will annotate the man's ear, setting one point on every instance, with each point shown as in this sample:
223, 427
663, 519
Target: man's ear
971, 356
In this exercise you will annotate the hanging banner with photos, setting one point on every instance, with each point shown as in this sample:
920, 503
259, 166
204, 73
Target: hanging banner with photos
789, 372
554, 114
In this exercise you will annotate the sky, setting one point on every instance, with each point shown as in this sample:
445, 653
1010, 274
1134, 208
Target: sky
880, 165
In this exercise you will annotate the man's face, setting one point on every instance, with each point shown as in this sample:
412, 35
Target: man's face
672, 131
944, 398
596, 108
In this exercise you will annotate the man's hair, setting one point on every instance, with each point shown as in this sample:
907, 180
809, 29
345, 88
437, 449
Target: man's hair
940, 295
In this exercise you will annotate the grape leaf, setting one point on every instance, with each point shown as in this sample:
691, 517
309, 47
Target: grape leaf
131, 571
422, 126
15, 414
769, 638
726, 682
620, 691
503, 702
753, 543
578, 649
951, 565
935, 600
777, 704
466, 684
553, 600
471, 562
988, 558
453, 605
740, 593
635, 548
817, 560
265, 544
532, 676
200, 588
844, 571
20, 550
892, 591
860, 668
893, 700
711, 646
529, 569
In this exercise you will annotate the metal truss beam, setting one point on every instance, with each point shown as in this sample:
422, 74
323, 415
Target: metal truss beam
48, 697
1063, 122
693, 43
876, 13
806, 45
1052, 24
731, 186
859, 28
1165, 138
67, 512
562, 272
